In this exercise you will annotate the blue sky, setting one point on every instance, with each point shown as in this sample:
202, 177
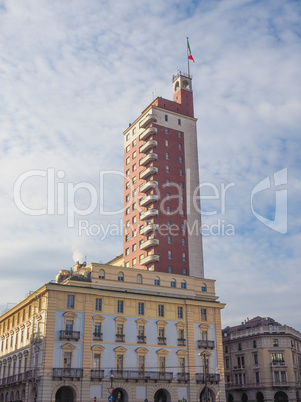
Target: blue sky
74, 74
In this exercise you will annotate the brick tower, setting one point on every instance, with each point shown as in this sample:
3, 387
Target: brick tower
162, 217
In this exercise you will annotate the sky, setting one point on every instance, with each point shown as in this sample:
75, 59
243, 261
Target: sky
74, 74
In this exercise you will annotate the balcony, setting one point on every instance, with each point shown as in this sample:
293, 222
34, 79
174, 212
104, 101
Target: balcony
97, 336
141, 339
239, 367
280, 384
70, 335
142, 375
147, 159
148, 119
161, 340
147, 133
148, 145
211, 378
149, 259
149, 213
148, 186
183, 377
152, 227
67, 372
148, 199
148, 172
31, 374
278, 363
119, 338
204, 344
181, 342
149, 243
97, 374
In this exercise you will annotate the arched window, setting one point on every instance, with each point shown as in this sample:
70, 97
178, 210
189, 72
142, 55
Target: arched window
139, 278
120, 277
101, 274
204, 287
157, 281
173, 283
183, 285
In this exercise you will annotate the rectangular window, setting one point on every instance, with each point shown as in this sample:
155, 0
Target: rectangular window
134, 143
257, 380
134, 247
70, 301
166, 117
180, 312
162, 364
203, 314
127, 148
179, 134
166, 143
283, 376
181, 172
227, 363
98, 304
183, 241
275, 342
96, 361
134, 154
67, 359
69, 327
167, 156
127, 237
127, 251
128, 159
169, 255
179, 122
120, 306
167, 169
254, 344
127, 211
166, 130
141, 364
134, 262
141, 308
134, 167
119, 363
255, 358
180, 159
167, 182
180, 147
127, 137
161, 310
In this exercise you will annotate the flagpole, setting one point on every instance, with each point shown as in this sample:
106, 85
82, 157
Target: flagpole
187, 57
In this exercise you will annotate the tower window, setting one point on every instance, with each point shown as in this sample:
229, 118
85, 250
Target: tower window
180, 147
166, 130
127, 148
167, 156
184, 256
127, 137
183, 285
127, 251
184, 271
167, 169
167, 182
183, 241
179, 134
180, 159
166, 143
169, 239
179, 122
128, 160
166, 117
134, 143
134, 154
168, 196
134, 247
169, 254
169, 269
181, 172
157, 281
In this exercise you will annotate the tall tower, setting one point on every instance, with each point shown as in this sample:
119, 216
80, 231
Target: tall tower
162, 216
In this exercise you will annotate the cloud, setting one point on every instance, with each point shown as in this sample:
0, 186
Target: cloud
74, 76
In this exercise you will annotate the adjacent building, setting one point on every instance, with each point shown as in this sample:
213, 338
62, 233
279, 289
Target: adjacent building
262, 361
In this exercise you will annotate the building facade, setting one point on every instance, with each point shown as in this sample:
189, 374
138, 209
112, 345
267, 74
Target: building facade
262, 361
161, 206
148, 335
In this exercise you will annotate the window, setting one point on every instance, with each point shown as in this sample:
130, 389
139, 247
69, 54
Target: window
127, 237
157, 281
283, 376
180, 312
169, 269
134, 167
127, 173
134, 154
168, 224
128, 159
139, 278
173, 283
127, 224
120, 277
134, 131
97, 331
257, 379
182, 185
101, 274
127, 251
127, 137
181, 172
134, 143
134, 179
169, 239
167, 182
161, 310
184, 256
166, 143
168, 210
226, 349
180, 147
162, 364
67, 360
239, 346
204, 287
168, 196
183, 285
69, 327
119, 363
203, 314
134, 247
183, 241
182, 199
169, 254
134, 206
120, 306
184, 271
70, 301
277, 357
167, 169
127, 186
134, 233
166, 117
275, 342
180, 159
134, 219
167, 156
166, 130
254, 344
98, 304
127, 211
161, 336
127, 148
141, 308
179, 134
255, 358
179, 122
227, 363
96, 361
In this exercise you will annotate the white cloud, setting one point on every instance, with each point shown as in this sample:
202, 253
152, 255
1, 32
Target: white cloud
74, 75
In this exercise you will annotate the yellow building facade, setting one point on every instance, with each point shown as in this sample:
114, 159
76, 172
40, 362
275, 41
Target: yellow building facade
139, 335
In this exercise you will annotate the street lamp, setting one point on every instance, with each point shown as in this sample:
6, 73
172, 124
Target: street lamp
205, 374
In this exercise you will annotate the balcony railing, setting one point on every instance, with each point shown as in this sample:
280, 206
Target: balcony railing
152, 227
119, 338
161, 340
150, 258
141, 339
278, 363
149, 243
183, 377
211, 378
181, 342
148, 185
148, 172
74, 335
97, 374
31, 374
97, 336
148, 119
205, 344
142, 375
278, 383
148, 145
67, 372
239, 367
148, 158
147, 133
149, 213
148, 199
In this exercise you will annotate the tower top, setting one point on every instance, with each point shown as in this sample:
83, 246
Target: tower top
182, 81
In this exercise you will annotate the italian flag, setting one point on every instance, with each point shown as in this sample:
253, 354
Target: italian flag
189, 52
